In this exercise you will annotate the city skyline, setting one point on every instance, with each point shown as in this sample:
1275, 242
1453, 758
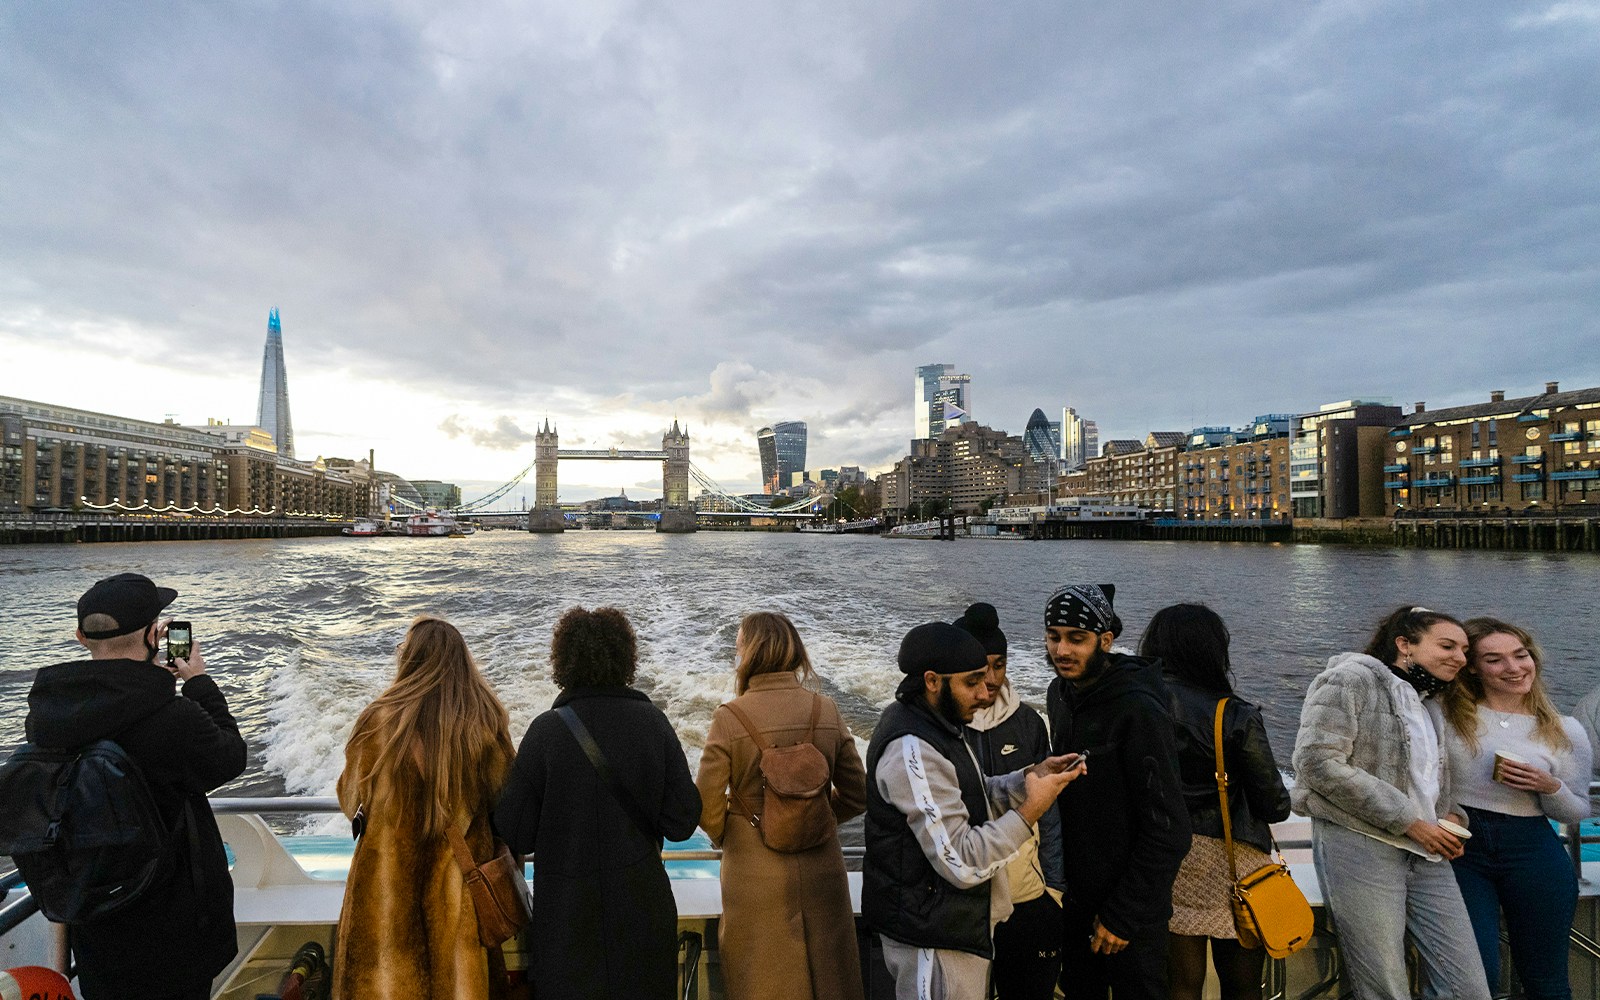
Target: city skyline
619, 216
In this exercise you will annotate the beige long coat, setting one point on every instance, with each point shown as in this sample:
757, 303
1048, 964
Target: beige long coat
787, 931
407, 927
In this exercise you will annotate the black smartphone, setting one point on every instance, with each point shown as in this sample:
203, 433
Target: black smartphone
179, 641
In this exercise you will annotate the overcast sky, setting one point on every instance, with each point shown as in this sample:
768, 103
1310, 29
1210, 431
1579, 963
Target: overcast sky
617, 214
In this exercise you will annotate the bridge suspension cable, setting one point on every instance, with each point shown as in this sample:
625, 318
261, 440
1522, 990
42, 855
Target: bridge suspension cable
710, 485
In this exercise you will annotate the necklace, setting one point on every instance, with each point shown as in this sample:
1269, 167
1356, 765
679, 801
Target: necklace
1504, 718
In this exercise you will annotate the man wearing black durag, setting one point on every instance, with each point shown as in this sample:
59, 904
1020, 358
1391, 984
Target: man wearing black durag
939, 833
1124, 827
179, 933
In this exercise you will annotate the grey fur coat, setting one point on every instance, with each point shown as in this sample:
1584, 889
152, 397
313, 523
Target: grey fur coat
1352, 757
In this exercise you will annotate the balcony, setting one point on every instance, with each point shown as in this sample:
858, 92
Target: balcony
1528, 477
1531, 418
1479, 480
1435, 481
1396, 484
1576, 474
1479, 463
1400, 432
1397, 467
1566, 436
1425, 449
1527, 459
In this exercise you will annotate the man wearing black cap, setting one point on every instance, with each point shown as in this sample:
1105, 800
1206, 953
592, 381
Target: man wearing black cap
1125, 830
937, 831
179, 934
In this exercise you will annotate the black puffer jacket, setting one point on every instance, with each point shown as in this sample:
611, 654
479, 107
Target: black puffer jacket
181, 932
1124, 829
1256, 795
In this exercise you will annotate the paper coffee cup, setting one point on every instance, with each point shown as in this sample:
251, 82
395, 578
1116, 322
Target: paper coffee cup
1449, 826
1500, 758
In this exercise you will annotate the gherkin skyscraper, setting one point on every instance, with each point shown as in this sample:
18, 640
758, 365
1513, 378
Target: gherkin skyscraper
272, 412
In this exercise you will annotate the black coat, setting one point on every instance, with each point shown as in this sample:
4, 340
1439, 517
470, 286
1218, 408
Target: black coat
181, 931
604, 920
1256, 795
1124, 828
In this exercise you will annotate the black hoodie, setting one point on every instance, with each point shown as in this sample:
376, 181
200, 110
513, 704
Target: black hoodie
1124, 828
179, 933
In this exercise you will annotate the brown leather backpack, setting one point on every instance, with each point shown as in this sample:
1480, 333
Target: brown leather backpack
797, 809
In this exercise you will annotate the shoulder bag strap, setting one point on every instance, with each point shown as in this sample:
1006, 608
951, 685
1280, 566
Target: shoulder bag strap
591, 749
816, 715
458, 847
1222, 793
751, 815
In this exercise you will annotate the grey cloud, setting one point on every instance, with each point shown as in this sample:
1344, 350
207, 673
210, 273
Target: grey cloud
1072, 201
502, 435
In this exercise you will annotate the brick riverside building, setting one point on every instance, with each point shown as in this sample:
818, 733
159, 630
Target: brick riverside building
965, 466
1519, 454
57, 458
1214, 475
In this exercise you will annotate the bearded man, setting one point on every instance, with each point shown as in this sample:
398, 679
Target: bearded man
938, 831
1124, 828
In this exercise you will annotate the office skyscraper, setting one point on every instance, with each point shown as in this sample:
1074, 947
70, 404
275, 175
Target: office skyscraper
940, 398
1080, 440
272, 411
783, 450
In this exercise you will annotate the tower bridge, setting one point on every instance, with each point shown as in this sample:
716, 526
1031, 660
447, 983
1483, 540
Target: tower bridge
677, 511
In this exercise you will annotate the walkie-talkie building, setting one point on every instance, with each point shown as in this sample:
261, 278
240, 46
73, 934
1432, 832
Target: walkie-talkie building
783, 451
272, 412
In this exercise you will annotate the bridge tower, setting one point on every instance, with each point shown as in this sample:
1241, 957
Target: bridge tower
545, 517
677, 511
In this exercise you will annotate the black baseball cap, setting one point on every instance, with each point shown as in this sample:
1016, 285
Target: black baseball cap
130, 600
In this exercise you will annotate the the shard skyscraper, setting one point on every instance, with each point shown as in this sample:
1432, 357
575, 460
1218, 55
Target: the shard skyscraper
272, 412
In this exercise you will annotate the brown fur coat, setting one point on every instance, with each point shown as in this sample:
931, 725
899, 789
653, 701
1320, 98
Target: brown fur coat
407, 928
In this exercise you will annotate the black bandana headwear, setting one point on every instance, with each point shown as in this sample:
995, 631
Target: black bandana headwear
1081, 605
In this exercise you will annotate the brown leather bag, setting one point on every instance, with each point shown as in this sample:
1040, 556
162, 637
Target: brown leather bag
1269, 910
797, 807
498, 890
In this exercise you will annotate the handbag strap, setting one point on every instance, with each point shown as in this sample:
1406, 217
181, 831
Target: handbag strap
591, 749
1222, 793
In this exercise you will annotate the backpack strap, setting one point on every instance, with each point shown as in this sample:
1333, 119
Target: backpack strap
749, 814
591, 749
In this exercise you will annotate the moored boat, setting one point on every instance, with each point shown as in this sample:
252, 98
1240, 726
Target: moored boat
431, 524
364, 527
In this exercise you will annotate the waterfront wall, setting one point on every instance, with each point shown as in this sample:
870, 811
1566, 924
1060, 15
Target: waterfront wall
23, 531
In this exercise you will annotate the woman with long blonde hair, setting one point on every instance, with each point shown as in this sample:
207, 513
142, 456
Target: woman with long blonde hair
1519, 764
787, 930
427, 756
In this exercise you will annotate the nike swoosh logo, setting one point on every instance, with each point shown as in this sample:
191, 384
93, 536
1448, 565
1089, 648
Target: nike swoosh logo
1008, 748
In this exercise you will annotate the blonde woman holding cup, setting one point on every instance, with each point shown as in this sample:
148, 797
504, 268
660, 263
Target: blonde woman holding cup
1519, 764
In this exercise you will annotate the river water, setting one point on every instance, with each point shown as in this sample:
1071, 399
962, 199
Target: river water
300, 633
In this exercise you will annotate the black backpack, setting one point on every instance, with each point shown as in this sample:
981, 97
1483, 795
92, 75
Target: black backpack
83, 829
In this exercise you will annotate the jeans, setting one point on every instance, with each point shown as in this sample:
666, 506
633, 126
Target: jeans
1375, 896
1516, 864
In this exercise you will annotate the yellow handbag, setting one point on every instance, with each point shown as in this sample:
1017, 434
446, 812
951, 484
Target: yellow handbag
1269, 910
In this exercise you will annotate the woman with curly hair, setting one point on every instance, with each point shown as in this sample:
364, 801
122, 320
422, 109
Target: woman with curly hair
425, 759
604, 920
1499, 709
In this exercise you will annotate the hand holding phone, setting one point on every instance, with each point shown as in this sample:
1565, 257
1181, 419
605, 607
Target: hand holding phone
180, 640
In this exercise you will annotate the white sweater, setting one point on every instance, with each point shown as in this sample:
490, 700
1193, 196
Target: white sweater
1474, 773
